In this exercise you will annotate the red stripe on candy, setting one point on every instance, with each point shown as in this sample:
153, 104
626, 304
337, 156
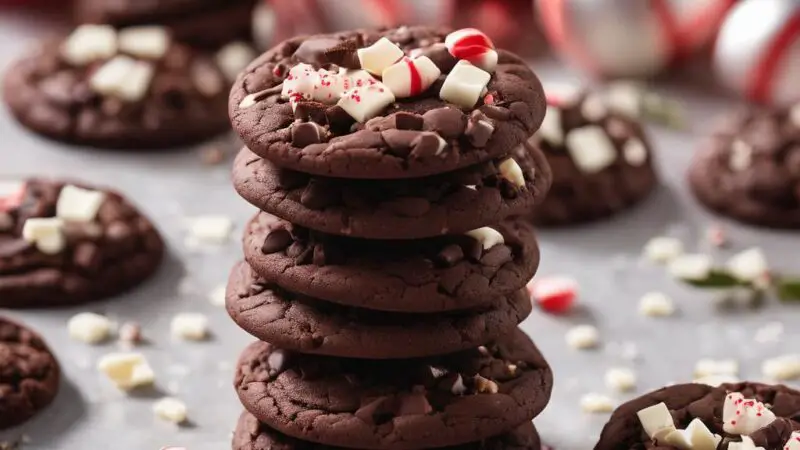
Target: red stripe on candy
704, 24
468, 52
762, 77
475, 39
415, 78
554, 19
669, 26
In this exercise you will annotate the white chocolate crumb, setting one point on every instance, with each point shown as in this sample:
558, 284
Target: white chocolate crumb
748, 265
620, 379
208, 230
782, 368
126, 370
707, 367
690, 266
662, 249
596, 403
769, 333
89, 328
583, 337
190, 326
656, 304
217, 295
171, 409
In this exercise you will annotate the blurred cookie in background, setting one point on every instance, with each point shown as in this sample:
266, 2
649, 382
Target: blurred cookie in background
205, 23
749, 168
136, 88
600, 157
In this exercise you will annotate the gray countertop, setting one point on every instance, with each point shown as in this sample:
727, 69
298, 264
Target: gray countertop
604, 257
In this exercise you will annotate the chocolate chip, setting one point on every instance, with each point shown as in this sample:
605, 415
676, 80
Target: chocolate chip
425, 145
13, 247
345, 54
441, 57
119, 231
338, 119
497, 256
473, 249
59, 88
450, 255
319, 255
448, 122
313, 51
276, 241
409, 206
372, 411
277, 361
87, 256
6, 222
414, 404
306, 133
82, 231
508, 189
306, 255
479, 130
311, 112
496, 112
319, 195
399, 141
408, 121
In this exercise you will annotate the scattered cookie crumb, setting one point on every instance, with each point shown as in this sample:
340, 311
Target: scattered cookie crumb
717, 236
485, 385
212, 155
126, 370
190, 326
656, 304
583, 337
130, 333
708, 367
596, 404
694, 266
749, 265
217, 295
89, 328
170, 409
662, 249
782, 368
620, 379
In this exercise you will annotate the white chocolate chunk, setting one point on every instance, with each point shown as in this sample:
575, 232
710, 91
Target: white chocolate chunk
211, 230
696, 436
782, 368
625, 98
409, 77
741, 415
620, 379
89, 43
126, 370
330, 87
748, 444
656, 304
656, 420
45, 233
551, 129
635, 152
189, 326
464, 85
123, 77
364, 103
171, 409
748, 265
663, 249
89, 328
78, 205
690, 266
582, 337
150, 42
596, 404
741, 156
794, 442
594, 108
217, 295
678, 439
378, 56
590, 148
511, 171
233, 58
706, 367
300, 82
487, 236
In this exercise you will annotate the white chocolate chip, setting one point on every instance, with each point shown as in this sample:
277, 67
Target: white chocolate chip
233, 58
171, 409
364, 103
741, 156
690, 266
748, 265
656, 304
748, 444
123, 77
590, 148
707, 367
625, 98
782, 368
217, 295
398, 77
511, 171
300, 82
330, 87
620, 379
149, 41
378, 56
190, 326
487, 236
596, 404
551, 129
78, 205
464, 85
126, 370
594, 108
741, 415
635, 152
485, 385
89, 43
793, 443
209, 230
663, 249
656, 420
46, 234
696, 436
583, 337
89, 328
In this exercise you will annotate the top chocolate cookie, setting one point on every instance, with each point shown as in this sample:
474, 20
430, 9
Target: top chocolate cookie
400, 103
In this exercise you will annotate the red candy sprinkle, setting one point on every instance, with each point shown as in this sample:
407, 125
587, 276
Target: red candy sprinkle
554, 294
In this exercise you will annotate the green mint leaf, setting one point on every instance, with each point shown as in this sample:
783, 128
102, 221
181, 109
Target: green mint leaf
788, 289
716, 279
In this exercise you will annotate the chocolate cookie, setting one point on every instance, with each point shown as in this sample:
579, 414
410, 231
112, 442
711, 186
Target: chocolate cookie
750, 168
422, 275
601, 160
307, 325
29, 374
309, 105
136, 88
251, 434
62, 244
397, 209
207, 23
396, 404
687, 402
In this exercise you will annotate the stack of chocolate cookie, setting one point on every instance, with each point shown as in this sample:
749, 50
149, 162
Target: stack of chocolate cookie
385, 273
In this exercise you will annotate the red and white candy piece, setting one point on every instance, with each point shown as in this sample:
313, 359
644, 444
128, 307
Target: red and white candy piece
464, 85
364, 103
554, 294
11, 194
742, 415
378, 56
748, 444
474, 46
300, 83
409, 77
793, 443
